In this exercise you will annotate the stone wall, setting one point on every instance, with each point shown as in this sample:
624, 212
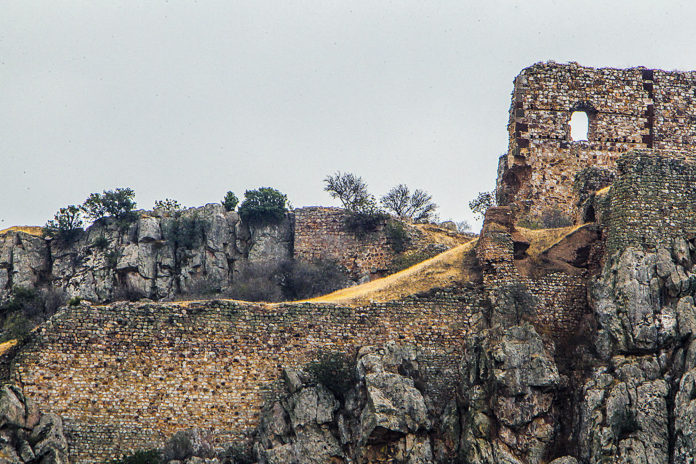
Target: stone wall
126, 376
557, 300
320, 233
627, 109
652, 200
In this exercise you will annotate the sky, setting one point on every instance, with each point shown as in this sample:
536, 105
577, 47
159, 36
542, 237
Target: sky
189, 99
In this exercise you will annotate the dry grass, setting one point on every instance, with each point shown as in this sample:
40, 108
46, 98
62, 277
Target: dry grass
439, 271
440, 235
543, 239
31, 230
6, 346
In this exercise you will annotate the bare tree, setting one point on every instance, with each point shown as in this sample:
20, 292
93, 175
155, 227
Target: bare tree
417, 206
351, 190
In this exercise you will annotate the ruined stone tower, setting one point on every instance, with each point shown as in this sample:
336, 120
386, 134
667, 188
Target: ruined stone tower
545, 170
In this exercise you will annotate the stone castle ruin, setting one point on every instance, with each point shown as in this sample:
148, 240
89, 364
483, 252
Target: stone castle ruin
562, 346
627, 109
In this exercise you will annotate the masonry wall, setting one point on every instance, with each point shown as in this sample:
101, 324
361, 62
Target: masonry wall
653, 200
628, 109
559, 299
128, 375
320, 234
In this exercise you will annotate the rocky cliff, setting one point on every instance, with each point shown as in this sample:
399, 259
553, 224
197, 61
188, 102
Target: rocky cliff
196, 252
157, 256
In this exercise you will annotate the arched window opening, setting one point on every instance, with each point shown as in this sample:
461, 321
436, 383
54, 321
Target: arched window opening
579, 126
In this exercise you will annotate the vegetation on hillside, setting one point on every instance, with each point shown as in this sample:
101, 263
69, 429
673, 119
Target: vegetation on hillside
25, 308
263, 205
417, 206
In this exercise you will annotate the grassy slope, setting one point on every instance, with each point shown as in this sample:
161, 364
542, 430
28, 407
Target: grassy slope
440, 271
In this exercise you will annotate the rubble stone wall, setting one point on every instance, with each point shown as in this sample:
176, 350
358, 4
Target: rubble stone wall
127, 376
652, 201
627, 109
559, 299
320, 234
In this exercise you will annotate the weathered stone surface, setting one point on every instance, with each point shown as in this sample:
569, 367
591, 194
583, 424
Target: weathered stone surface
47, 438
187, 444
629, 302
509, 378
383, 417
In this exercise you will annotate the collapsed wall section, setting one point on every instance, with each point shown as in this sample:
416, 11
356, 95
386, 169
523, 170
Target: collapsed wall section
127, 376
627, 109
554, 301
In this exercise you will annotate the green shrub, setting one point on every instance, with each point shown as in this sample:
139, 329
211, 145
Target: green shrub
230, 201
279, 280
167, 205
264, 205
74, 301
551, 218
334, 370
16, 326
301, 280
397, 236
351, 190
363, 223
528, 223
112, 258
101, 242
238, 454
141, 457
26, 308
417, 206
65, 225
128, 293
554, 218
482, 202
117, 203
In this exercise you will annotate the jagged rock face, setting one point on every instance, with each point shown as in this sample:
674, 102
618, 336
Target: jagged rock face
384, 418
26, 435
157, 256
509, 380
638, 406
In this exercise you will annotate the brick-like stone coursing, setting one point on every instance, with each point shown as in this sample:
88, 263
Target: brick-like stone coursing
320, 234
127, 376
628, 109
652, 201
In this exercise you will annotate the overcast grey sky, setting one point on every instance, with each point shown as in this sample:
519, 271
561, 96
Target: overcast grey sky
187, 100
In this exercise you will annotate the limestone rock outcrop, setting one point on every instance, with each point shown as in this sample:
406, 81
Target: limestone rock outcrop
26, 435
157, 256
382, 418
508, 389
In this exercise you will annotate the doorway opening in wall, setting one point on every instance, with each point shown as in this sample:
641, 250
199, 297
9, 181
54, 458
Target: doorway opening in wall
579, 126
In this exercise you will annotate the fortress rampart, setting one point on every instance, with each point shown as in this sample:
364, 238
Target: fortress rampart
627, 109
127, 376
